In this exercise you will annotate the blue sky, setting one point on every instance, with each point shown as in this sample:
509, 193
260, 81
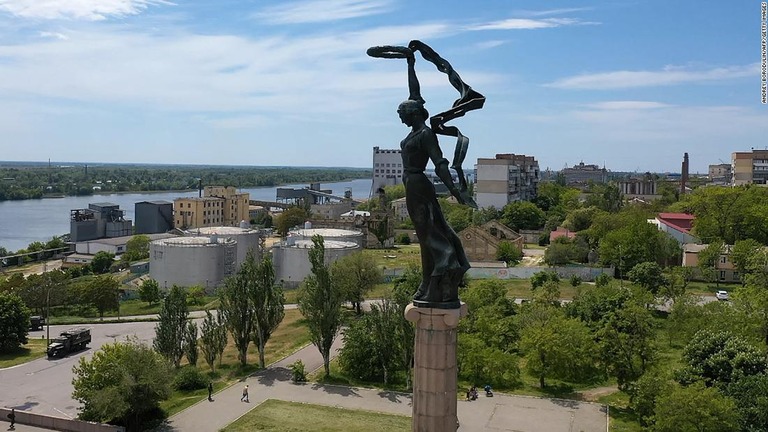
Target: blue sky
629, 84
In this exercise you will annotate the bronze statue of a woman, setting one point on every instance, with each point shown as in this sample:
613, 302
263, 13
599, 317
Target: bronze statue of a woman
443, 261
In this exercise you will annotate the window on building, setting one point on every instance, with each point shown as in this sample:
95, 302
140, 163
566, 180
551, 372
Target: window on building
736, 276
722, 275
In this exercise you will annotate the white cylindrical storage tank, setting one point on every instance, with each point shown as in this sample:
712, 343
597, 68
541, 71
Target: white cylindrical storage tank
342, 235
190, 261
291, 260
246, 239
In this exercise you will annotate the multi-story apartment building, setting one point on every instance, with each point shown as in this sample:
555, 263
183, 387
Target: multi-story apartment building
219, 206
506, 178
749, 168
387, 168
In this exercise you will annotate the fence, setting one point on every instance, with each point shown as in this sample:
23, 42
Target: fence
585, 273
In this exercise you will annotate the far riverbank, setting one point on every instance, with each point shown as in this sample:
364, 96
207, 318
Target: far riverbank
23, 222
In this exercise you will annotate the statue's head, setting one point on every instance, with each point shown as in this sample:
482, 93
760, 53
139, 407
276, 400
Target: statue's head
411, 111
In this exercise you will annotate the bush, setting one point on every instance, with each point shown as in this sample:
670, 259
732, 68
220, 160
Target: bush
190, 378
403, 239
298, 372
575, 280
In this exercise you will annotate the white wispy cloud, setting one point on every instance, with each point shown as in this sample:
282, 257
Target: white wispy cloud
627, 105
54, 35
217, 73
559, 11
489, 44
314, 11
529, 24
92, 10
670, 75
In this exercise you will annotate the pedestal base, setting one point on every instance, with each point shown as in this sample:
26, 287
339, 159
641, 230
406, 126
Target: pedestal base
435, 372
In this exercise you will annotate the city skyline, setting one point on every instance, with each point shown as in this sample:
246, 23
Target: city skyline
630, 85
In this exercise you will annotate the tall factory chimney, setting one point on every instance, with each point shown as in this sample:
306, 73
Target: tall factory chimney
684, 174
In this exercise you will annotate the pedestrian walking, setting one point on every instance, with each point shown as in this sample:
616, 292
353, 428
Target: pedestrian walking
12, 418
210, 391
245, 394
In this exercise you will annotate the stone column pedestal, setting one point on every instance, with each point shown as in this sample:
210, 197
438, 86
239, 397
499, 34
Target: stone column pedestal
434, 372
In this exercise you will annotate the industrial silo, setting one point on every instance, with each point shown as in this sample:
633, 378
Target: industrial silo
189, 261
291, 259
246, 239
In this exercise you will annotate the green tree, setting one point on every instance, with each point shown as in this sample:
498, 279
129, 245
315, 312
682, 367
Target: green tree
606, 197
555, 346
636, 242
355, 275
190, 343
320, 303
290, 218
213, 339
746, 255
560, 252
708, 258
720, 357
508, 252
523, 215
123, 383
372, 349
149, 291
485, 215
196, 293
540, 278
646, 392
728, 213
171, 326
102, 293
137, 248
102, 262
627, 343
648, 275
236, 308
402, 294
358, 355
695, 408
267, 302
14, 322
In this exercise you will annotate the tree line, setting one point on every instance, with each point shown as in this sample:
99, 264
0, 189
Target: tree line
35, 180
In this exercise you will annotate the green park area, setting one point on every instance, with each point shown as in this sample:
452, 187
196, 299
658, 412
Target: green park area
279, 416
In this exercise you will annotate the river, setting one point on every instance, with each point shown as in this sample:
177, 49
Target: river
23, 222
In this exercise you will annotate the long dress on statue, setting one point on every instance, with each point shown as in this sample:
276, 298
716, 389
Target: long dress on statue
442, 257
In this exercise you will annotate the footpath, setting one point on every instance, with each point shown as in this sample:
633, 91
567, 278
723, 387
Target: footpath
500, 413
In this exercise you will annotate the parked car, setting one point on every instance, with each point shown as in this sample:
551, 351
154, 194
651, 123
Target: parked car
722, 295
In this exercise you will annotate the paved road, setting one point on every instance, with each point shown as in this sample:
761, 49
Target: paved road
45, 386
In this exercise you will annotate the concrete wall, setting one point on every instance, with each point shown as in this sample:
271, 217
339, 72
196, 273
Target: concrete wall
56, 423
531, 236
586, 273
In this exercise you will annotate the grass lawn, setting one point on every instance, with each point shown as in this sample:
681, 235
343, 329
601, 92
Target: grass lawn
34, 349
291, 335
275, 415
400, 257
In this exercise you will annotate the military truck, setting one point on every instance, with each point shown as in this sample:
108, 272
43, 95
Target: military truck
69, 341
36, 322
